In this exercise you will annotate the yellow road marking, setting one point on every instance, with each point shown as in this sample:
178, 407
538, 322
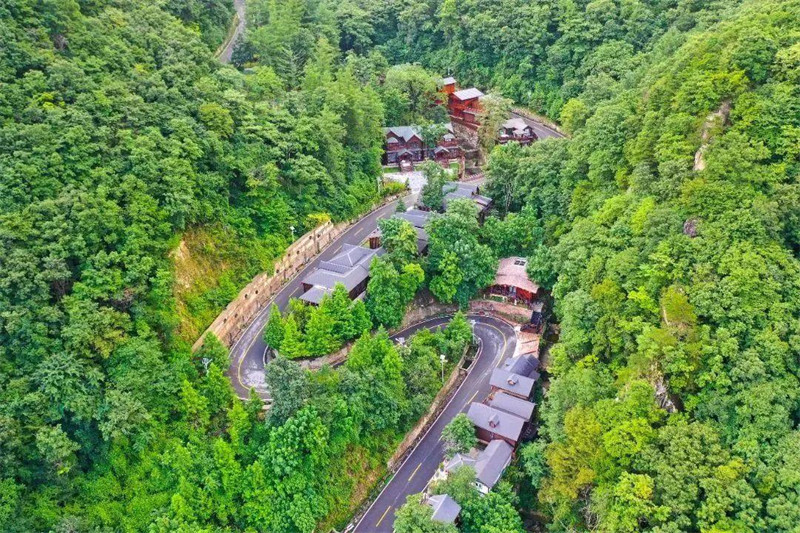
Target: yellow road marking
473, 397
505, 342
383, 515
414, 472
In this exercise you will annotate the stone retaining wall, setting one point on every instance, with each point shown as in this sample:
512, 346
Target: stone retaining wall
244, 308
238, 314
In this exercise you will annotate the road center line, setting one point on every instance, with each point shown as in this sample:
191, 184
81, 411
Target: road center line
473, 397
414, 472
383, 515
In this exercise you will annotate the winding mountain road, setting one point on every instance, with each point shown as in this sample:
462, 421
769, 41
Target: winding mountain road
497, 341
497, 338
246, 368
227, 52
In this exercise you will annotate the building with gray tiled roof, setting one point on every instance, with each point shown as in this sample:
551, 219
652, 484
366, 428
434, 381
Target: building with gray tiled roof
350, 268
493, 424
515, 384
418, 219
407, 143
455, 190
525, 364
489, 464
511, 404
445, 508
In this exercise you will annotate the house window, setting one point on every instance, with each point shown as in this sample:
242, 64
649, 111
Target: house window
520, 262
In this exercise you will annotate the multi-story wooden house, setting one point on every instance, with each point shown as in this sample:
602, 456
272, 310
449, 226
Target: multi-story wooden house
406, 144
465, 107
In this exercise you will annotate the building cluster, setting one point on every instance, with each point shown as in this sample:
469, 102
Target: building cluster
350, 267
419, 218
504, 417
407, 145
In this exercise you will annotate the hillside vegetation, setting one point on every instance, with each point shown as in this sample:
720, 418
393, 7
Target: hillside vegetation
671, 247
667, 228
119, 133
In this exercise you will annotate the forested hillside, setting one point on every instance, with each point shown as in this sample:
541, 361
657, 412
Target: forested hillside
669, 223
671, 244
119, 133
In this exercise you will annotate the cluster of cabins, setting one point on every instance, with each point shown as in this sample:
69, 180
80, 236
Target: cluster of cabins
406, 145
500, 421
350, 266
504, 417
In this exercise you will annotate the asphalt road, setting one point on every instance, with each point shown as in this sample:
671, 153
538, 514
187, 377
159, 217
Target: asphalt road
247, 355
542, 131
226, 54
498, 341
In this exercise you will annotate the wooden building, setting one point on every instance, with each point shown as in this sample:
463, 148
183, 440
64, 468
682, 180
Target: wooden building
350, 268
516, 130
512, 283
465, 107
406, 145
491, 424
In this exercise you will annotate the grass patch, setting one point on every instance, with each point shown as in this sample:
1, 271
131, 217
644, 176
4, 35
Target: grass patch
211, 265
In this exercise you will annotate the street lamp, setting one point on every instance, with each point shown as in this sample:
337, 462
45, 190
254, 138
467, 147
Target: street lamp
291, 228
442, 358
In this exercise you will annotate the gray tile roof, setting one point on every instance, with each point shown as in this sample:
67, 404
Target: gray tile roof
458, 461
521, 364
314, 295
488, 464
512, 404
497, 421
492, 462
468, 94
517, 125
515, 383
404, 132
417, 217
457, 190
350, 267
407, 132
445, 508
447, 81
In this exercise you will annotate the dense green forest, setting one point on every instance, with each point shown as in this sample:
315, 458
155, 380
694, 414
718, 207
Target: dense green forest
667, 227
671, 244
120, 134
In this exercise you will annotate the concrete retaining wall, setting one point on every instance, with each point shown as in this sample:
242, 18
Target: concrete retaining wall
441, 399
244, 308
